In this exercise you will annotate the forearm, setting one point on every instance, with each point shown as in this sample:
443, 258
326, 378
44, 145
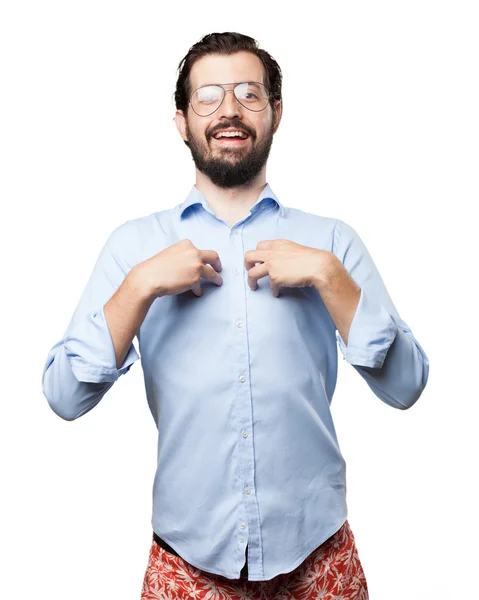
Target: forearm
125, 313
379, 345
339, 292
79, 369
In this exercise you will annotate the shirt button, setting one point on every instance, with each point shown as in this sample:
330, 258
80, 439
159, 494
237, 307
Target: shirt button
247, 491
245, 434
239, 323
242, 378
235, 271
242, 526
242, 539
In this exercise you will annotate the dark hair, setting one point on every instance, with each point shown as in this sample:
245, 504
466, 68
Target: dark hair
225, 43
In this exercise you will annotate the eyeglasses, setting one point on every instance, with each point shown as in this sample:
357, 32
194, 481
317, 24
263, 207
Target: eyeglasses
250, 94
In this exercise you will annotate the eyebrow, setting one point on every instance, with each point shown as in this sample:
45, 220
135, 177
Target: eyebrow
230, 83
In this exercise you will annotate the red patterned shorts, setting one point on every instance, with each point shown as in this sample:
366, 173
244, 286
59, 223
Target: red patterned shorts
331, 572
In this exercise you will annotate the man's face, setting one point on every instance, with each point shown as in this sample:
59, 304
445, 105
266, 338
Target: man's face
229, 163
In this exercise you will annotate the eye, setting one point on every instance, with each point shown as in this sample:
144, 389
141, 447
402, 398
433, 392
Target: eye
250, 92
208, 93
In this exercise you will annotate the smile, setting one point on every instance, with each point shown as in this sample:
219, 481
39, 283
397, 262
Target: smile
231, 141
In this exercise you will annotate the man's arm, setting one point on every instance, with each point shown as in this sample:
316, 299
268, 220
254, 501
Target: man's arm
340, 294
125, 312
372, 336
85, 363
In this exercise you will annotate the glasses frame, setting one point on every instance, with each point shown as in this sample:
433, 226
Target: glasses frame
221, 85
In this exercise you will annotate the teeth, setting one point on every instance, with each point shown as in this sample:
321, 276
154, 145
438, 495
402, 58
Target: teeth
231, 134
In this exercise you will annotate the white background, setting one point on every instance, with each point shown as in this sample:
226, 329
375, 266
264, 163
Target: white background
380, 129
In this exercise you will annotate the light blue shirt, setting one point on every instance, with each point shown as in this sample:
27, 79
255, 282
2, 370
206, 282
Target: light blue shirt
239, 383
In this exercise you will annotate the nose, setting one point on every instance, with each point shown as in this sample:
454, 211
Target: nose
230, 107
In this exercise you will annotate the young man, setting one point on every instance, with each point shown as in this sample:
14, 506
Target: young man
235, 300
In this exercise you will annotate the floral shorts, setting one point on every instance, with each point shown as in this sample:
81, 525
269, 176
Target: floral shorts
331, 572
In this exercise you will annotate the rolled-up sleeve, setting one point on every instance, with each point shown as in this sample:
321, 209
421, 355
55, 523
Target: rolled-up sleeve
372, 332
381, 346
91, 353
81, 367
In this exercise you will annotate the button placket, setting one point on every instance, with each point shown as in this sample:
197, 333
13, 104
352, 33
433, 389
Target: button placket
249, 522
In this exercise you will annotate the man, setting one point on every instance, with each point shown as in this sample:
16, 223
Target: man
235, 300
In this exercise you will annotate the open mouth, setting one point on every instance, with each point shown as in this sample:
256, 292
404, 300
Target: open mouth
232, 139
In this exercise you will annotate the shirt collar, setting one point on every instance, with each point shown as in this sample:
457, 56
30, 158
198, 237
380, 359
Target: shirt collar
197, 197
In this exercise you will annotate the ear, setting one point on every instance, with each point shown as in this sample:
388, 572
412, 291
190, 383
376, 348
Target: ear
181, 124
277, 113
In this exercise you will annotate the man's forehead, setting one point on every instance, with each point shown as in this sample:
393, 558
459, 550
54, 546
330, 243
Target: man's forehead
232, 68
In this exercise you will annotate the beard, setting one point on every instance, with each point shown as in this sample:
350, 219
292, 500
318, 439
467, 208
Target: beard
235, 166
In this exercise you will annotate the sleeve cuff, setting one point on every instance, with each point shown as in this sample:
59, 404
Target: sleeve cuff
91, 353
371, 334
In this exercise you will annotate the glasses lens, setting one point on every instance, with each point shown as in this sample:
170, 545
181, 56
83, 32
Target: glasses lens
252, 95
205, 100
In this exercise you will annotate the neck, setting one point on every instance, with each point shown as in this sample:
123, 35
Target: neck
232, 201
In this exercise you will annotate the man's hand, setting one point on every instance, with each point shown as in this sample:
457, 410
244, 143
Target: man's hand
293, 265
287, 263
178, 268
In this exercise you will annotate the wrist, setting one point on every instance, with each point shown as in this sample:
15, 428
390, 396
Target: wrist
139, 285
327, 269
